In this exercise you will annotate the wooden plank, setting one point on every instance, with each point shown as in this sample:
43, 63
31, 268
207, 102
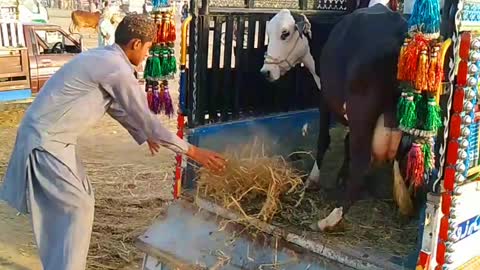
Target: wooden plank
361, 260
227, 67
217, 93
14, 85
238, 66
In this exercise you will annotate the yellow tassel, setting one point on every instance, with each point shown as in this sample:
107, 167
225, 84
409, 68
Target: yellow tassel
422, 72
401, 63
432, 79
401, 194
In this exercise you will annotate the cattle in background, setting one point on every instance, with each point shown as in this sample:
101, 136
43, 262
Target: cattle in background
84, 19
356, 74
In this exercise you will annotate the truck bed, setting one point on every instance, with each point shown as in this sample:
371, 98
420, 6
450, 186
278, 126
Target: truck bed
14, 73
188, 237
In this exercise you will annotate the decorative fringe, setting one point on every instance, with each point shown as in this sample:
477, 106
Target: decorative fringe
156, 99
429, 155
425, 17
433, 119
415, 166
421, 80
148, 87
167, 99
433, 80
407, 115
401, 65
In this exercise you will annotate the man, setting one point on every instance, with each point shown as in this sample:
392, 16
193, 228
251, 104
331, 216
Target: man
45, 176
106, 33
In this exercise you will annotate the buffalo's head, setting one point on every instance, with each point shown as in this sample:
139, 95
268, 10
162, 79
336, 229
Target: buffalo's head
287, 44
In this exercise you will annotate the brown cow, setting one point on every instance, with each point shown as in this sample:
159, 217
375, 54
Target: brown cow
84, 19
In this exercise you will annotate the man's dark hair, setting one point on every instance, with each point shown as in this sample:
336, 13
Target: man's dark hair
135, 26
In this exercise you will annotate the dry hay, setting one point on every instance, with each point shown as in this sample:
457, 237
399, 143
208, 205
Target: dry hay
369, 224
254, 180
269, 189
11, 114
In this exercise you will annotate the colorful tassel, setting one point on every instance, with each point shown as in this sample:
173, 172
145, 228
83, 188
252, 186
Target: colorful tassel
415, 166
433, 119
429, 155
408, 117
168, 105
172, 62
156, 68
148, 65
401, 65
432, 71
149, 95
425, 18
421, 80
172, 33
155, 98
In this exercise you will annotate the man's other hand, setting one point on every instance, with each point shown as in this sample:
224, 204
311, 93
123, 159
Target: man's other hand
153, 146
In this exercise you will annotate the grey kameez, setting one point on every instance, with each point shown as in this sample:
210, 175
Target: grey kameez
45, 176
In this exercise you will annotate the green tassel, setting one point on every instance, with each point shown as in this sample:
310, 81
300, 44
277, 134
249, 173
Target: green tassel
172, 63
148, 66
428, 154
401, 105
408, 117
433, 119
165, 64
420, 110
156, 67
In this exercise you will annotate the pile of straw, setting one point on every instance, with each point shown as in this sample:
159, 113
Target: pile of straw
253, 186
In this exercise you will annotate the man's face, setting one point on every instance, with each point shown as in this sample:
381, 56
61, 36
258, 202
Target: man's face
140, 52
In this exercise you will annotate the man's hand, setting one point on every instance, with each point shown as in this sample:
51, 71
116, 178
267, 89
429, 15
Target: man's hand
153, 146
211, 160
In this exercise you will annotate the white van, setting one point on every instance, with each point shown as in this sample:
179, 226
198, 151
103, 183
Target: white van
32, 11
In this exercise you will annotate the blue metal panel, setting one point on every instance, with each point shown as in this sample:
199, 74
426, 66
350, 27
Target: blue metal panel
15, 95
281, 134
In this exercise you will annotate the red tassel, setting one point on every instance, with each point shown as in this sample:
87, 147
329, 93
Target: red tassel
415, 166
172, 35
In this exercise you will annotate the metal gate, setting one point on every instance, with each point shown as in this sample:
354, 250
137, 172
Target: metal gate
223, 78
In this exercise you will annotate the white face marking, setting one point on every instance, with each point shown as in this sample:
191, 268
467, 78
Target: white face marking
285, 47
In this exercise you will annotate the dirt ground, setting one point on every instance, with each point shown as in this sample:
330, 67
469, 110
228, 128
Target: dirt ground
127, 181
131, 187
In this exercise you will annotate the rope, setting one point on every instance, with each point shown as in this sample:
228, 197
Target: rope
195, 67
451, 79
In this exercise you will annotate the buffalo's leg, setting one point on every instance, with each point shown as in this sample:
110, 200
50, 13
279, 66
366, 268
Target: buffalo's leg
362, 114
313, 180
343, 173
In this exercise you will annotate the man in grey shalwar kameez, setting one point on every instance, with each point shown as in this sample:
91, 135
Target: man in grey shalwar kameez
45, 176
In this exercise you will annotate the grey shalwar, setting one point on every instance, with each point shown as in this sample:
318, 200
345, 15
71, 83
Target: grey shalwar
45, 176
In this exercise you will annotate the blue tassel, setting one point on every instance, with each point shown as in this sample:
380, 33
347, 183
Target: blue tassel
425, 17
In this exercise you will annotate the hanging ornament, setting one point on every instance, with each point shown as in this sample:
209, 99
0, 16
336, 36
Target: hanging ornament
155, 98
167, 105
148, 89
425, 18
415, 166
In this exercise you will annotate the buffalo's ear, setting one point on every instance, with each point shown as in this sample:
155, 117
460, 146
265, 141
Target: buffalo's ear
303, 26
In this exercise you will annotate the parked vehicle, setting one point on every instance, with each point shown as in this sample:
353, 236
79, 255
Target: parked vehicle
224, 101
35, 53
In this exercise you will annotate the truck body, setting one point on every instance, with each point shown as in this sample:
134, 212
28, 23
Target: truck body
224, 102
30, 53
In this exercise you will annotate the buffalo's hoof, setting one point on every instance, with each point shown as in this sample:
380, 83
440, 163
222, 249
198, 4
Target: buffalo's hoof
333, 222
